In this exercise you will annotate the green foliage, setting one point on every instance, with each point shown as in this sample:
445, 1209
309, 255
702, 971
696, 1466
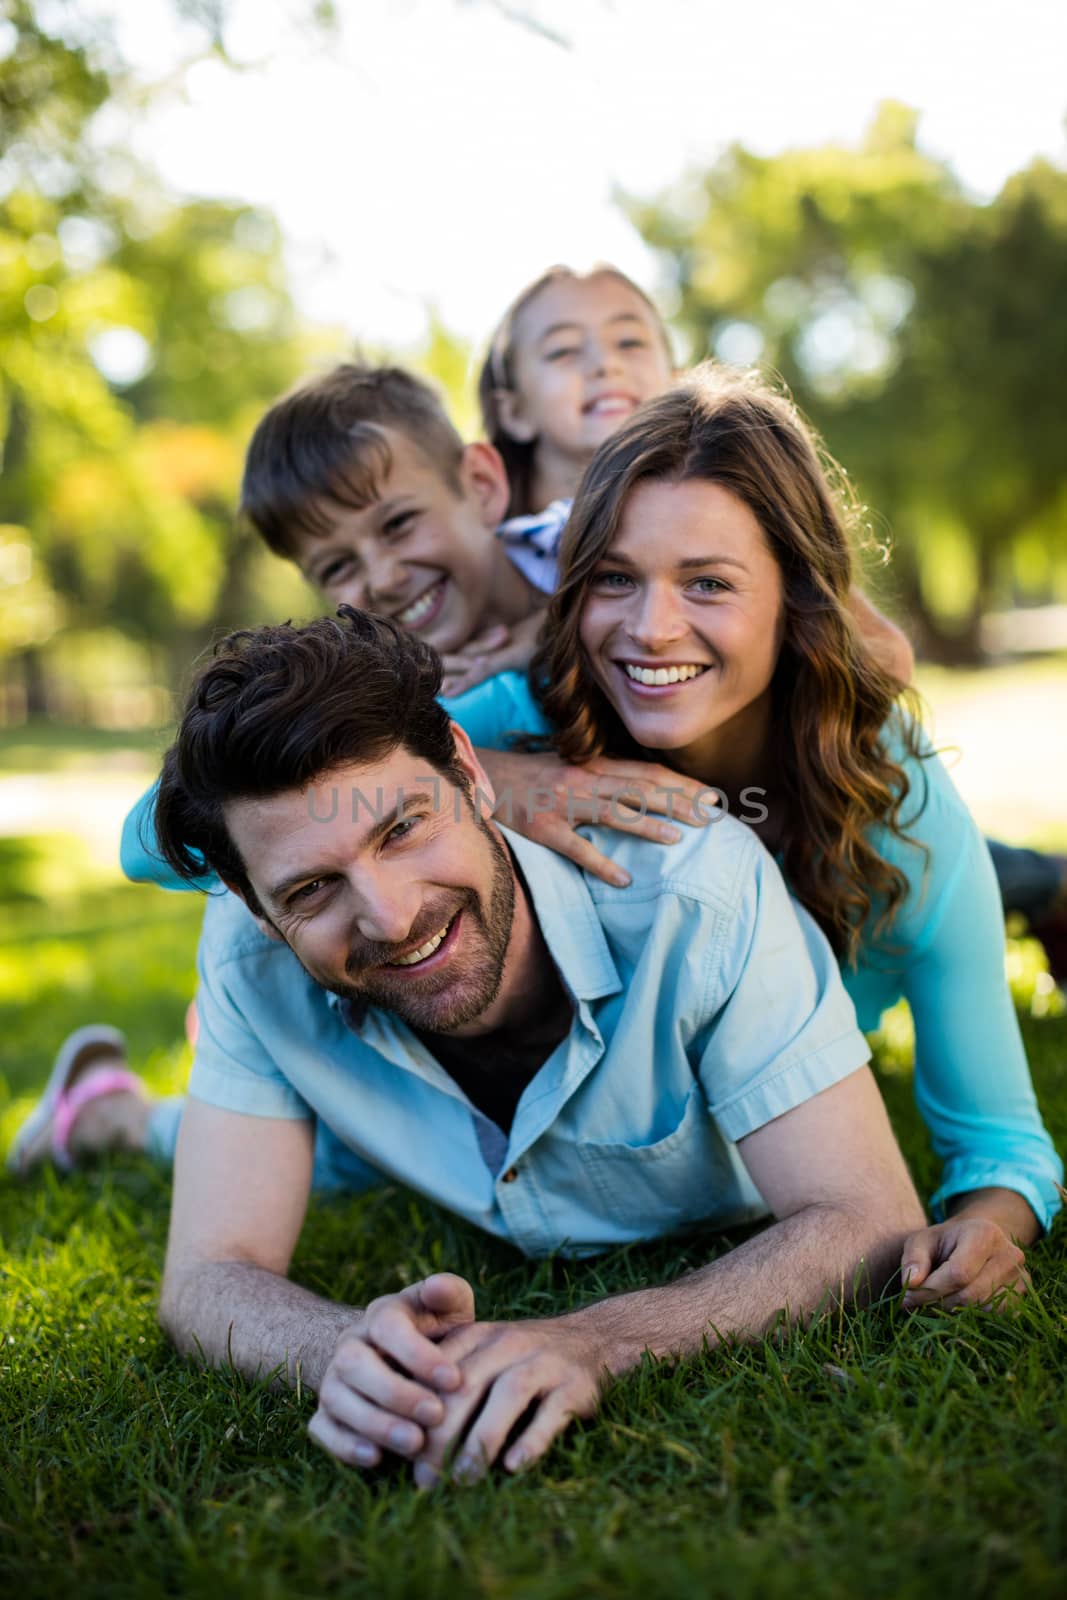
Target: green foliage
924, 334
140, 338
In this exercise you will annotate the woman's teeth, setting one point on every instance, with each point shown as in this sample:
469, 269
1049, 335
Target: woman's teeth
424, 950
660, 675
413, 614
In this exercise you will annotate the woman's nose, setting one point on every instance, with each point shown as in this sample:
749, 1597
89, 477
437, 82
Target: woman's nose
657, 618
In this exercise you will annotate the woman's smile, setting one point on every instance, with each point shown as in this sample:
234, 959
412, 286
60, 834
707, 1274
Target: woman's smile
682, 620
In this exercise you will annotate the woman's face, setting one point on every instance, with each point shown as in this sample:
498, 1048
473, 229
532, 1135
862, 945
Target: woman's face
682, 621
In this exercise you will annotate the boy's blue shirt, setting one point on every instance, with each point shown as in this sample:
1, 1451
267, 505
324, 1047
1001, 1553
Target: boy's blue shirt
944, 955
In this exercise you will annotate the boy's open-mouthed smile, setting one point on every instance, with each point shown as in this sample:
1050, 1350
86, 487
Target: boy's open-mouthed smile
424, 550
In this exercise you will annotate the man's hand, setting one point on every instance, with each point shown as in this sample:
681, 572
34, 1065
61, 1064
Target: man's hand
545, 799
498, 649
553, 1364
966, 1261
366, 1404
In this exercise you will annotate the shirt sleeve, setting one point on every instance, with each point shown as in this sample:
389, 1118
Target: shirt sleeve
495, 710
232, 1067
139, 852
783, 1028
972, 1081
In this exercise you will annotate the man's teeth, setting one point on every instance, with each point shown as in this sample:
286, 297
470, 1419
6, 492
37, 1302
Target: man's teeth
423, 951
414, 613
661, 675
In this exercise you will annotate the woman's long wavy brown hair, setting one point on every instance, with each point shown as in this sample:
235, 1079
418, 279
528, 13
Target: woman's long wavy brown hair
830, 698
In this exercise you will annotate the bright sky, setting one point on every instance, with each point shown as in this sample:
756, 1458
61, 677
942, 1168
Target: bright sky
437, 152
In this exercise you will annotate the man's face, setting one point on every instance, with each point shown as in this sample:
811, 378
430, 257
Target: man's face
387, 887
422, 552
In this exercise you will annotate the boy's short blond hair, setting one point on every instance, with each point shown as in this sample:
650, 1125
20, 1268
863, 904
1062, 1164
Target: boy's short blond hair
322, 444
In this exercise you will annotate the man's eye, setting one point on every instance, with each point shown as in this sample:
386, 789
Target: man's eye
398, 525
403, 830
306, 891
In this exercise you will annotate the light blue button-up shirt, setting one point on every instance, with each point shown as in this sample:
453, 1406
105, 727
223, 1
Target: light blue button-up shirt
705, 1004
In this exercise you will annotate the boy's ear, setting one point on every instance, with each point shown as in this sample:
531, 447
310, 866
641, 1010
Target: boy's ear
512, 420
262, 923
484, 479
467, 756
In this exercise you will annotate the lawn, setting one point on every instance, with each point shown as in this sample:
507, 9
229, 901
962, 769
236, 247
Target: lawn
875, 1454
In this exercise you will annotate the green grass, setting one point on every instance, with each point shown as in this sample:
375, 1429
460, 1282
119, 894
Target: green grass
43, 745
873, 1455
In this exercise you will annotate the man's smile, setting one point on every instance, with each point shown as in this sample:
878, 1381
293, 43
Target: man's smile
431, 954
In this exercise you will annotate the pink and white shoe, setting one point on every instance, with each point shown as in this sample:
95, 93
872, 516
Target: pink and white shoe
84, 1069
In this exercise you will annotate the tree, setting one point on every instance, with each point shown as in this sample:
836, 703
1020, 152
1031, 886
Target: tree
139, 339
922, 333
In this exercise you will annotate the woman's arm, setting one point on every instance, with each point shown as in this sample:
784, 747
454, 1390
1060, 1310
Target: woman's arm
1001, 1173
548, 801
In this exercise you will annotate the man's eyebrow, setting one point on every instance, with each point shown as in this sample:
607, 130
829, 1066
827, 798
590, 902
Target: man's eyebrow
388, 820
689, 564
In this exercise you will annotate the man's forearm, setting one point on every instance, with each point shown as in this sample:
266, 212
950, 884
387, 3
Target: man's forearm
795, 1265
1005, 1207
234, 1311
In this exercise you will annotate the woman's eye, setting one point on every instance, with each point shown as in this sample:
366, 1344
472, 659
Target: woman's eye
612, 580
709, 586
633, 343
561, 352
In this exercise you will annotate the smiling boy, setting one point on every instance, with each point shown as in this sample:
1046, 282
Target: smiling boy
361, 479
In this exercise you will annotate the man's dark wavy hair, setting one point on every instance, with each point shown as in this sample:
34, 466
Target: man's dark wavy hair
278, 707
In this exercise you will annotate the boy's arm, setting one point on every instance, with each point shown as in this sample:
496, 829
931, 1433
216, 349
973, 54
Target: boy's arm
139, 855
888, 644
500, 649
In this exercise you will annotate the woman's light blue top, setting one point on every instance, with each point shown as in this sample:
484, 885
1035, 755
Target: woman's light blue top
944, 955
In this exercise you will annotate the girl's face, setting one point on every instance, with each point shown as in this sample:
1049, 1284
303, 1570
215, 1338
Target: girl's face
682, 621
587, 352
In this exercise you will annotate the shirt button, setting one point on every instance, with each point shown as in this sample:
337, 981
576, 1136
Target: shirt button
511, 1174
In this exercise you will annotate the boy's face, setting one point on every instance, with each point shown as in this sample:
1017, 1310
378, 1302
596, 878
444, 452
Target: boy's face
587, 353
422, 553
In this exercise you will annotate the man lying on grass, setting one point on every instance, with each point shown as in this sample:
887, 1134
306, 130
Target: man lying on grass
399, 989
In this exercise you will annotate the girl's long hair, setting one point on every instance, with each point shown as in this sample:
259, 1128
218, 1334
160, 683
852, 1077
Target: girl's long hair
498, 372
830, 698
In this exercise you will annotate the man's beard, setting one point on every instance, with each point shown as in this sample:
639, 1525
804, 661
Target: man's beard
449, 998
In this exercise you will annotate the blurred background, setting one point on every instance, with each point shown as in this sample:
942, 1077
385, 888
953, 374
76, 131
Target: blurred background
203, 200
